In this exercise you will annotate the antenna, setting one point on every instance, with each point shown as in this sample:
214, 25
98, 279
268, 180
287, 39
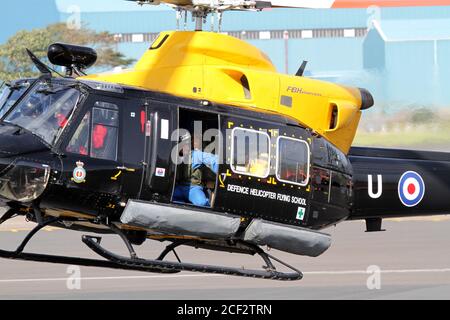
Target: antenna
302, 68
43, 69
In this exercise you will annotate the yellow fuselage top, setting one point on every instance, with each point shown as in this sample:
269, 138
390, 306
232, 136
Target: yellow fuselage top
223, 69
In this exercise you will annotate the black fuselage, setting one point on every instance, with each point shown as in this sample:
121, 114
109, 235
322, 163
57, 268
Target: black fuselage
143, 168
80, 183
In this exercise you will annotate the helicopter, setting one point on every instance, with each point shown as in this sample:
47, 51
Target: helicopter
202, 144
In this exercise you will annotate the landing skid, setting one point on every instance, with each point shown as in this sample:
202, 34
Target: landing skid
158, 265
269, 272
18, 254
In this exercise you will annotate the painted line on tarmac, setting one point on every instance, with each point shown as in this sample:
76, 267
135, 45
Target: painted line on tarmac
113, 278
16, 230
350, 272
345, 272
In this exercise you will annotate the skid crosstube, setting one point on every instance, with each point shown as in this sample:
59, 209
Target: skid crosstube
94, 244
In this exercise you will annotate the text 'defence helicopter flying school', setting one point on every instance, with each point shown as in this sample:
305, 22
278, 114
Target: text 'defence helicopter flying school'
203, 144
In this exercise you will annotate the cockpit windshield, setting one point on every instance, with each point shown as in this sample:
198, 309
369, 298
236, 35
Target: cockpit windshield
10, 93
46, 110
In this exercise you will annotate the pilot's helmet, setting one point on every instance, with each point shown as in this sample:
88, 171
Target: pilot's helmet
69, 103
32, 106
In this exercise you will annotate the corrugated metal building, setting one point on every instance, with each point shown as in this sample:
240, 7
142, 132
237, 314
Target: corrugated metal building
410, 61
333, 41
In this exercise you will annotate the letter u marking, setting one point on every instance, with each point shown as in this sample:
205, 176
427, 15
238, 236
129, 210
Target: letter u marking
370, 186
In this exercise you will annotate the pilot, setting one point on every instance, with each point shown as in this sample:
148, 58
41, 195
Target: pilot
32, 108
61, 120
190, 186
62, 114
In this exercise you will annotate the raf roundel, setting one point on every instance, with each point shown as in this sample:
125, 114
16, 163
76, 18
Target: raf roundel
411, 189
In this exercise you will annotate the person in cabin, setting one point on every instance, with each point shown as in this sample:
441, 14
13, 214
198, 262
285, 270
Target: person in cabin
190, 180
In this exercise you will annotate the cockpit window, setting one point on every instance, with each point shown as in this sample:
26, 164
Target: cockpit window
9, 94
97, 134
45, 110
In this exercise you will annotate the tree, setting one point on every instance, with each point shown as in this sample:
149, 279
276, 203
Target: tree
15, 63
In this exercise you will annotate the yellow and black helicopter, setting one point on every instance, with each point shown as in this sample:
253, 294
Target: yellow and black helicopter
201, 144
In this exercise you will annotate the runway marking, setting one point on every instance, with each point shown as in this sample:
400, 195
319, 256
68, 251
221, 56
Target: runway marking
381, 271
16, 230
440, 218
345, 272
114, 278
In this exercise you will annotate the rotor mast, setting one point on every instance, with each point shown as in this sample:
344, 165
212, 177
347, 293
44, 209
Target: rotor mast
199, 16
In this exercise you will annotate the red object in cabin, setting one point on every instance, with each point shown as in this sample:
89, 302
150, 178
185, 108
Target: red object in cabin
98, 136
62, 120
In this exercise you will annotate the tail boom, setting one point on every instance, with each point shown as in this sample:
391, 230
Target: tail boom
399, 183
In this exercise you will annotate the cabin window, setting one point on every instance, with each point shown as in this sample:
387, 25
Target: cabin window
250, 152
292, 161
97, 134
79, 143
105, 131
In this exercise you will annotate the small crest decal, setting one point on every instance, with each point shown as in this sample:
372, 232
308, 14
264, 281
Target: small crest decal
79, 173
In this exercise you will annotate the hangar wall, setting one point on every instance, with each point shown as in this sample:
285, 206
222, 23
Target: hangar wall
337, 43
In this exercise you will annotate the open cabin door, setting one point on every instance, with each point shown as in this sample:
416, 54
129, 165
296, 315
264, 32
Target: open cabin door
159, 126
197, 158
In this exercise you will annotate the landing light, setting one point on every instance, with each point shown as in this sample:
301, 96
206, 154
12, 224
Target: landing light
24, 181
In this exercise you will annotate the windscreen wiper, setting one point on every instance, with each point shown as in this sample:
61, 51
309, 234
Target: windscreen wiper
14, 87
48, 91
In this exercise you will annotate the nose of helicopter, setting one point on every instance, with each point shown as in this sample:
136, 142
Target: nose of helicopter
23, 177
15, 141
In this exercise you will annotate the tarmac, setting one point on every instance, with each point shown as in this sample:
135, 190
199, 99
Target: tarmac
410, 260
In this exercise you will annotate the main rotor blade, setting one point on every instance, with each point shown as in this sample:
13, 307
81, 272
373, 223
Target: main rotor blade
323, 4
308, 4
